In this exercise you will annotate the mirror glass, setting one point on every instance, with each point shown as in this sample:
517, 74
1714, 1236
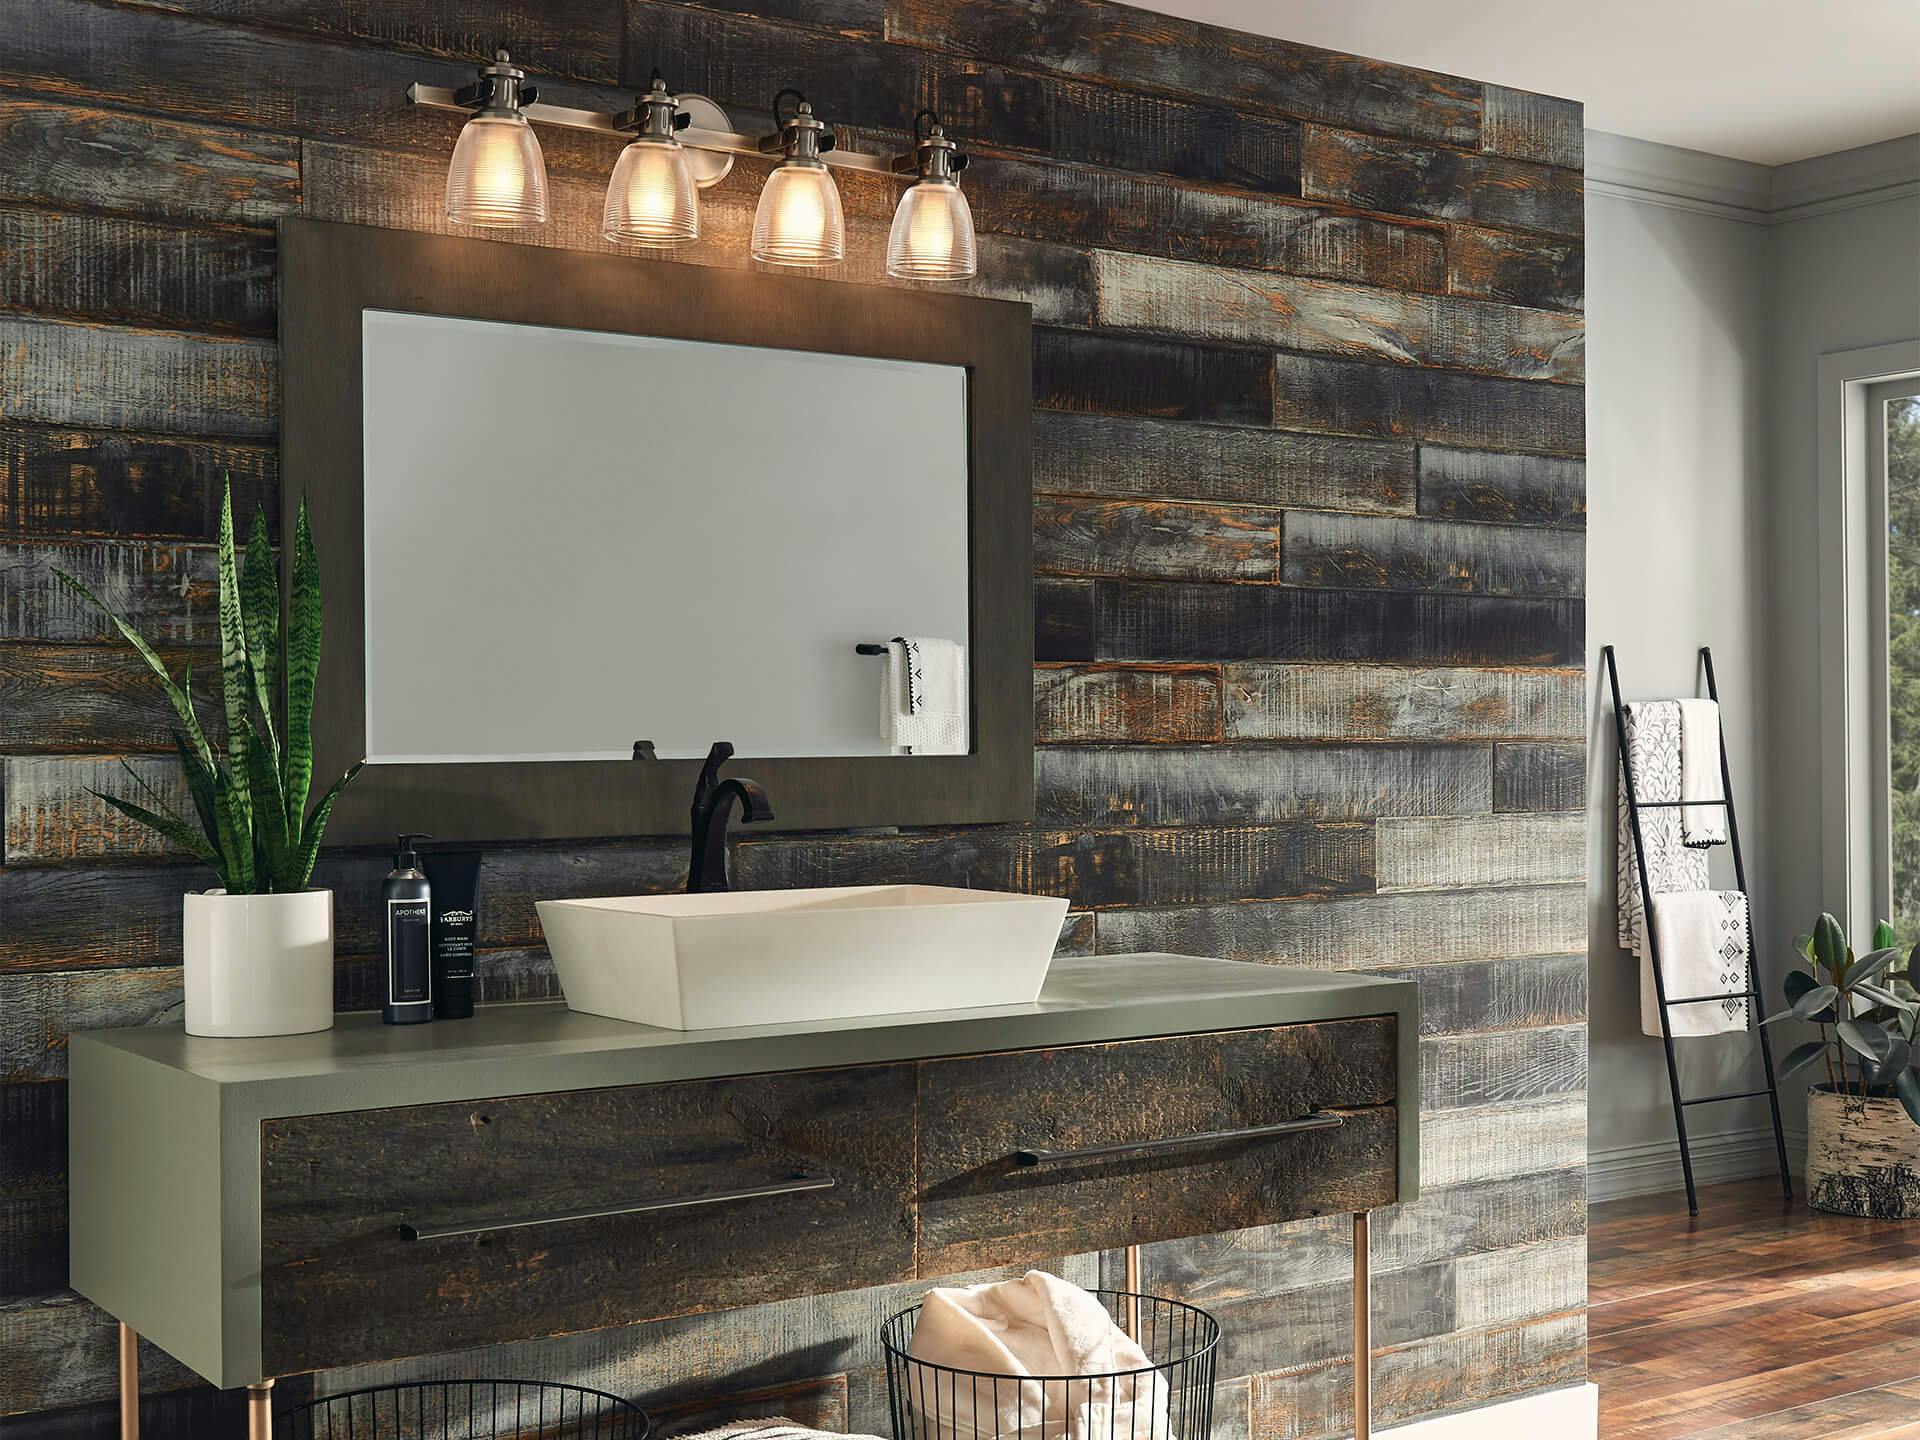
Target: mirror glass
578, 540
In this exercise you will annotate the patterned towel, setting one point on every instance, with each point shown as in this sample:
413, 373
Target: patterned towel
1653, 743
1705, 937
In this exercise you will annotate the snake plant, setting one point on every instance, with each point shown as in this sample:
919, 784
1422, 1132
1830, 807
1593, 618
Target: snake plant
1866, 1009
251, 825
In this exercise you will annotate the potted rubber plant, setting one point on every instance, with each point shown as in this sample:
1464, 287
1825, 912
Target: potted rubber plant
1863, 1122
258, 948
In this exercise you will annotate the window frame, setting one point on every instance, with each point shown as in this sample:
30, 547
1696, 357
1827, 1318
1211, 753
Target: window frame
1874, 397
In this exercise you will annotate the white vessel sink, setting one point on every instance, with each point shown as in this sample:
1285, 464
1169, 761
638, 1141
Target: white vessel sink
756, 957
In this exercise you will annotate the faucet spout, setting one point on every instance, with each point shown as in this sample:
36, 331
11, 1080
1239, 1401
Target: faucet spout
713, 802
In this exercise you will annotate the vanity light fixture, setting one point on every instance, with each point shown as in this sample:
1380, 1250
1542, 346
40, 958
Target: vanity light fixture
498, 176
678, 144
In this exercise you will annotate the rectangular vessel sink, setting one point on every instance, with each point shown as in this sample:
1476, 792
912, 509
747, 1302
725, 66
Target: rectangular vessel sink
756, 957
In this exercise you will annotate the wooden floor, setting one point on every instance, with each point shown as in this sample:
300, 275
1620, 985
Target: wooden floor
1761, 1320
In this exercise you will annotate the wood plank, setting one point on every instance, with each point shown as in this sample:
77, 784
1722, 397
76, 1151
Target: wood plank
59, 918
1492, 1069
1394, 702
977, 1207
112, 268
1390, 552
1486, 1143
1360, 932
1091, 38
1115, 375
113, 160
41, 1010
818, 1404
1525, 126
740, 63
1222, 785
84, 376
1156, 620
1418, 853
1481, 485
1089, 868
1095, 207
118, 486
94, 698
1062, 619
1142, 704
1520, 270
1402, 179
1244, 307
169, 593
1350, 397
1160, 459
1539, 777
33, 1194
1155, 539
1507, 994
52, 816
61, 1351
1197, 865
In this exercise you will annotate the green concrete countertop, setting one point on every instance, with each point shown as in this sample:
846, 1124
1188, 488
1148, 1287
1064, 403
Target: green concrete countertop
164, 1127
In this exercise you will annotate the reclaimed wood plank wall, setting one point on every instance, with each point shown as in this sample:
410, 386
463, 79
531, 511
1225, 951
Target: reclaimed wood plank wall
1308, 426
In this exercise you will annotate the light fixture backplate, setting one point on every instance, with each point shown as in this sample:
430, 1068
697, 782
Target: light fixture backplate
709, 167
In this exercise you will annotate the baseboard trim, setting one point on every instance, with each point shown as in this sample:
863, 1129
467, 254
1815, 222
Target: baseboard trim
1569, 1414
1654, 1169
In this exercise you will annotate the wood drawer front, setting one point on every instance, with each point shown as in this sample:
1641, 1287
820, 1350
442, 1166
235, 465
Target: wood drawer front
341, 1285
979, 1206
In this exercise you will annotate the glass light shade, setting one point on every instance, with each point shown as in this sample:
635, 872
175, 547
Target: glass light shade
798, 221
650, 199
497, 175
932, 235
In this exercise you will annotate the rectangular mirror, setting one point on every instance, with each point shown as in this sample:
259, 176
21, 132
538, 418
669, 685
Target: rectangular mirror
686, 540
569, 502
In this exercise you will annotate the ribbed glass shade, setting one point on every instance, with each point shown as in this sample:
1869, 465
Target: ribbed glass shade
497, 175
799, 220
650, 199
932, 235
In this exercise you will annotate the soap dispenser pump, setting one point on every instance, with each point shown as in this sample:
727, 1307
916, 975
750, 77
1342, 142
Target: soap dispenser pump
408, 948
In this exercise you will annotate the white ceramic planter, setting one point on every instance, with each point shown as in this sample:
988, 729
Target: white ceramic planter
1863, 1156
259, 964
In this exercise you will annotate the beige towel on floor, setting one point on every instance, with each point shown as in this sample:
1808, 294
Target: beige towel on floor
1701, 825
1704, 938
1034, 1326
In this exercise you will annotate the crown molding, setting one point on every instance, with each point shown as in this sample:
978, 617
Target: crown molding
1740, 190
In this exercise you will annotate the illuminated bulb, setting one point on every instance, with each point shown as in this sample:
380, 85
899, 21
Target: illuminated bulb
932, 235
798, 221
498, 175
650, 199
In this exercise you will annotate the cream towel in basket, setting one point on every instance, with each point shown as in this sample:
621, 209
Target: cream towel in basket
1036, 1325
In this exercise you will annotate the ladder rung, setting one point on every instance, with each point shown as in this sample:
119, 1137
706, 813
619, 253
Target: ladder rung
1672, 804
1730, 995
1735, 1095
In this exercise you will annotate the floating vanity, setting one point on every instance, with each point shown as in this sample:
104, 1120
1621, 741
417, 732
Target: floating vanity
267, 1207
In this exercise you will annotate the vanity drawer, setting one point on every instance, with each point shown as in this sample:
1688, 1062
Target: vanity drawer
983, 1202
341, 1283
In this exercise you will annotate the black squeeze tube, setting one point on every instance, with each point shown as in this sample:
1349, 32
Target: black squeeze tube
455, 878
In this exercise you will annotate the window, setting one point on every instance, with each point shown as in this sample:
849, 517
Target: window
1893, 455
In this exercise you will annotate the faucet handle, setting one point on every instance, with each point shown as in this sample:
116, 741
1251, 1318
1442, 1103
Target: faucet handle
718, 755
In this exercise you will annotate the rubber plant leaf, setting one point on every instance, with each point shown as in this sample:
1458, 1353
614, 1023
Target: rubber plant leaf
1809, 1004
1907, 1086
1802, 1056
1830, 945
1882, 935
1869, 1041
1871, 964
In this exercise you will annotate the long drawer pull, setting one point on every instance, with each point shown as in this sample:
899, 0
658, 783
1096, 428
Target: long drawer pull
798, 1185
1317, 1120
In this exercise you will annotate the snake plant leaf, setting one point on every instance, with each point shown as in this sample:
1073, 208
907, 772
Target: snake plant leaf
199, 786
1870, 1041
236, 843
1907, 1086
236, 674
1802, 1056
169, 827
1871, 964
260, 603
316, 827
1883, 935
270, 820
1830, 945
178, 695
303, 664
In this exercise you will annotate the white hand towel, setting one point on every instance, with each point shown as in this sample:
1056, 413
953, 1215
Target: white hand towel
1653, 744
771, 1427
1037, 1325
923, 697
1705, 937
1701, 825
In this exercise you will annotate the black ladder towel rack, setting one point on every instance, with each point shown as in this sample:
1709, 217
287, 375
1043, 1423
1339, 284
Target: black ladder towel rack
1752, 993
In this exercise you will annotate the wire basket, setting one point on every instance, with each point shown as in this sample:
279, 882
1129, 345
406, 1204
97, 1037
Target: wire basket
1169, 1399
466, 1410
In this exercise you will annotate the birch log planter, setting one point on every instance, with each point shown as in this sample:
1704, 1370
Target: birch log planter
1863, 1156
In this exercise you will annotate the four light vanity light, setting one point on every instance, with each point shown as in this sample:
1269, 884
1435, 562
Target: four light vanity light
681, 144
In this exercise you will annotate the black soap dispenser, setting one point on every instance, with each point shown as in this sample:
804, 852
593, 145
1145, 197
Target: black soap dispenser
408, 950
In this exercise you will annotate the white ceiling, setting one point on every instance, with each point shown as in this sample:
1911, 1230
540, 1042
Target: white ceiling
1763, 80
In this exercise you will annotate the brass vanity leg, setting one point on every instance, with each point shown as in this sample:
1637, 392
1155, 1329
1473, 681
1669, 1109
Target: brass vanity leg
1132, 1286
129, 1383
1362, 1333
260, 1411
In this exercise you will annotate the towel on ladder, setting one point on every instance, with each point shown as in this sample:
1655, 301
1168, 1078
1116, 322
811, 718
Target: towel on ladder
1653, 746
1700, 825
1705, 937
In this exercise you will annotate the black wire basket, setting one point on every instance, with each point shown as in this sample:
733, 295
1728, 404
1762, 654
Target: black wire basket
466, 1410
1171, 1398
